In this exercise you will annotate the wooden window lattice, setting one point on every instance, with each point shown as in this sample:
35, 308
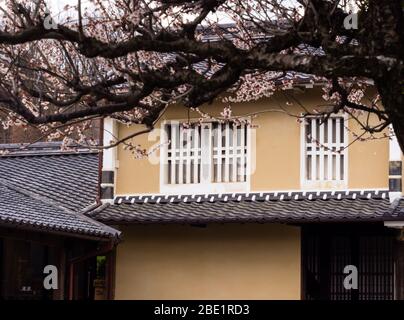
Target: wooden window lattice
325, 149
208, 153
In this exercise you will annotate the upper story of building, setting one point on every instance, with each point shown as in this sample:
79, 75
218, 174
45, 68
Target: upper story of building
267, 148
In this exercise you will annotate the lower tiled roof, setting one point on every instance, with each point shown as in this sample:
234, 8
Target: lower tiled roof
398, 210
293, 207
19, 208
45, 189
70, 179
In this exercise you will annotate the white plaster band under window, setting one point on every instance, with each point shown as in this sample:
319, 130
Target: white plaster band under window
211, 156
324, 152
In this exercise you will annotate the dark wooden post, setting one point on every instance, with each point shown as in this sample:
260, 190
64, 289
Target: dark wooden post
399, 253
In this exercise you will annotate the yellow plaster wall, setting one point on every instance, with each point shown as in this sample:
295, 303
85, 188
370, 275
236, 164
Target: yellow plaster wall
232, 261
277, 147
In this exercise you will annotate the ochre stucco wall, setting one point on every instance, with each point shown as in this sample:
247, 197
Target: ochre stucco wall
277, 148
232, 261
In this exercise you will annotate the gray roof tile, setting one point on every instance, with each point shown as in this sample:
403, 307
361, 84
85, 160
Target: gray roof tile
398, 211
240, 208
19, 208
50, 191
70, 179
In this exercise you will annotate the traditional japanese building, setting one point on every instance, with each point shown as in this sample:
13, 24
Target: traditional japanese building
44, 195
273, 210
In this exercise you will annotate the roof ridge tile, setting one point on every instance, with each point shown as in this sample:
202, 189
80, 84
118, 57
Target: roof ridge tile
364, 194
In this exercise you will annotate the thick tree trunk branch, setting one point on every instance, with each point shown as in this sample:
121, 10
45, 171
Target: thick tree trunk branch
119, 64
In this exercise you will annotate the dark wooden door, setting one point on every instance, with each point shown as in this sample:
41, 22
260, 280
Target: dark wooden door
326, 250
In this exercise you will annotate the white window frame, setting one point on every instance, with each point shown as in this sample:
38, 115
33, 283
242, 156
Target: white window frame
206, 185
324, 184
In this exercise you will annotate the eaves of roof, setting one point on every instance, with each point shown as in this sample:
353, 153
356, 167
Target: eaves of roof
282, 207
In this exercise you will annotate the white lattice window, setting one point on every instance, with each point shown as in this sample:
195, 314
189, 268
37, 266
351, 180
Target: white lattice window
208, 154
324, 147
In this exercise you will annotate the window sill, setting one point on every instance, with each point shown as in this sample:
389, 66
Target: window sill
207, 188
324, 185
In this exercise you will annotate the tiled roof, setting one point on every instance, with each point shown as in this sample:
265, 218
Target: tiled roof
207, 69
255, 196
253, 207
26, 210
398, 212
70, 179
49, 190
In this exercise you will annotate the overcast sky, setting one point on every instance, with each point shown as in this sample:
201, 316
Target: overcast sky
59, 4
